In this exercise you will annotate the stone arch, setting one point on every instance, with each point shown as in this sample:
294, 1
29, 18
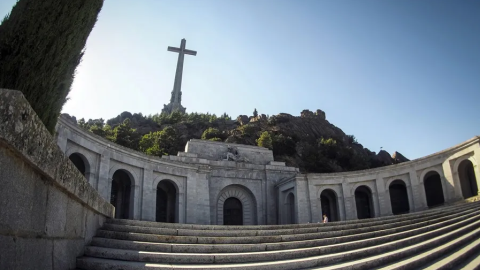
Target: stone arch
122, 194
434, 189
80, 162
290, 208
399, 197
364, 202
329, 204
247, 199
467, 179
167, 198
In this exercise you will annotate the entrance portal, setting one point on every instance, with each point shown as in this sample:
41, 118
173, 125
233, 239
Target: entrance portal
121, 196
433, 189
399, 197
232, 212
328, 200
468, 181
290, 207
363, 200
166, 202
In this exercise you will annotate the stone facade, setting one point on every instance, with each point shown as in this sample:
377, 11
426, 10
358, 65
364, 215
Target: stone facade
205, 176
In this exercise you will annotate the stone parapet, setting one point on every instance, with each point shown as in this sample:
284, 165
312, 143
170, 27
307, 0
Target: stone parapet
47, 208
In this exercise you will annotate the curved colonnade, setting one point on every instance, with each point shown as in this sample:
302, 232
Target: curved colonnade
190, 189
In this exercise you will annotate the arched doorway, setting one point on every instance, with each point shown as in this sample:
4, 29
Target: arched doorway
121, 195
167, 198
468, 181
328, 200
363, 200
79, 161
290, 208
433, 189
232, 212
399, 197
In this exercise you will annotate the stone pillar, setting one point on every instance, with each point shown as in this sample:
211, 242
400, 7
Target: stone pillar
198, 198
382, 197
349, 202
61, 137
138, 196
302, 207
104, 181
476, 167
418, 192
452, 189
149, 195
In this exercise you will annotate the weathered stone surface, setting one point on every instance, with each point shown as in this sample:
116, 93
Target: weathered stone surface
243, 119
44, 200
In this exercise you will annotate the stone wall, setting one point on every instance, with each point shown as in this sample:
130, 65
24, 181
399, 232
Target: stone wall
48, 211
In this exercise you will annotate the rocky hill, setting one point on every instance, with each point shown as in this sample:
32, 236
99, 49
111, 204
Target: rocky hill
308, 141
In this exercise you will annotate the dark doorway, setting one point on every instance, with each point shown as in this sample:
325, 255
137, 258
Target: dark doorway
121, 196
399, 197
166, 202
78, 161
290, 207
328, 200
232, 212
363, 200
433, 189
468, 181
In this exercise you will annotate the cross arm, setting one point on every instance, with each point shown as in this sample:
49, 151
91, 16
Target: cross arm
177, 50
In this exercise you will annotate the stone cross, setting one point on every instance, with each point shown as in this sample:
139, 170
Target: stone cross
177, 92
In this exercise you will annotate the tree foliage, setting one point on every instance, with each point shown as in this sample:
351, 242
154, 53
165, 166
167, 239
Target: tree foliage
41, 44
265, 140
212, 134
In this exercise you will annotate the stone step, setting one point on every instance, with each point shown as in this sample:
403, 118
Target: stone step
288, 226
472, 263
395, 240
361, 258
455, 258
326, 239
366, 231
456, 250
401, 221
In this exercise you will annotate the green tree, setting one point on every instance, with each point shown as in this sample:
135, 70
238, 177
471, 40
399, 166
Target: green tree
211, 133
126, 136
41, 44
255, 113
164, 142
265, 140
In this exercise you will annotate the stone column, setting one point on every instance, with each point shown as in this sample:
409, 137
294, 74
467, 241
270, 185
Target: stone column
149, 195
349, 202
450, 182
62, 137
418, 192
302, 207
103, 182
383, 198
476, 167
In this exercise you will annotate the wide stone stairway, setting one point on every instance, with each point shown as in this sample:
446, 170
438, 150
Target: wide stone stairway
441, 238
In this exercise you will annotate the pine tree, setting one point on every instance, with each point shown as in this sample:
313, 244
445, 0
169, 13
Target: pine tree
265, 140
41, 44
255, 113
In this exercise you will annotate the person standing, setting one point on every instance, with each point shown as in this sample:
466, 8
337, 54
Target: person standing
325, 219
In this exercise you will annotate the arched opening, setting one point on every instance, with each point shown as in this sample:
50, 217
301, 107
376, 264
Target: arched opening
363, 200
79, 162
232, 212
167, 201
468, 181
121, 195
290, 208
433, 189
328, 200
399, 197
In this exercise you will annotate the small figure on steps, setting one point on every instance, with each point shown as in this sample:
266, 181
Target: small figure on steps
325, 219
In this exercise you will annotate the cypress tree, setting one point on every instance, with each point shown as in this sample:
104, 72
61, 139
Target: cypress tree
41, 44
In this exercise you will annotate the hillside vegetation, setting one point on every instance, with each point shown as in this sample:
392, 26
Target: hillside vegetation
308, 141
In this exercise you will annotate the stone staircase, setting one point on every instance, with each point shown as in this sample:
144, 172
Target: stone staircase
441, 238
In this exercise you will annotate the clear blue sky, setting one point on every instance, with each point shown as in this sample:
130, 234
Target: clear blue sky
402, 75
